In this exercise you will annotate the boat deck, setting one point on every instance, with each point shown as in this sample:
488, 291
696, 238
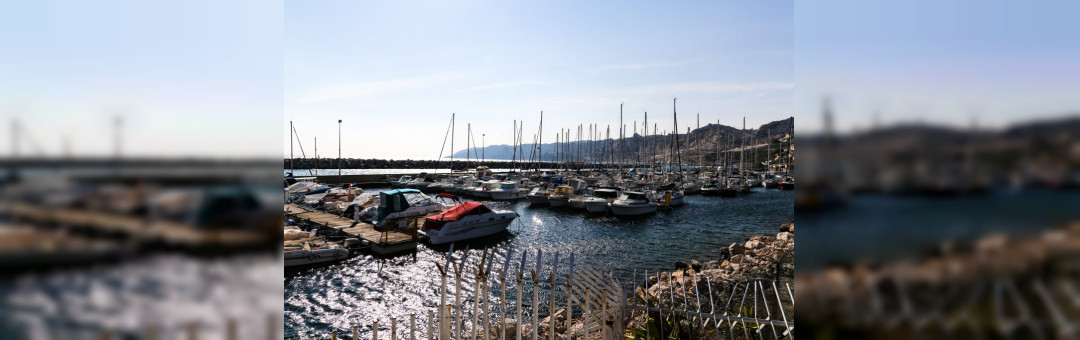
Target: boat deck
362, 230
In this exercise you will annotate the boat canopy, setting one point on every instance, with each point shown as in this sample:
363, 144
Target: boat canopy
455, 213
397, 200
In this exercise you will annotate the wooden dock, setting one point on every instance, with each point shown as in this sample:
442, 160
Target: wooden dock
383, 242
138, 229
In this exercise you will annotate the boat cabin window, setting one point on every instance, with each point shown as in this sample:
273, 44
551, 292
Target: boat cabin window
507, 186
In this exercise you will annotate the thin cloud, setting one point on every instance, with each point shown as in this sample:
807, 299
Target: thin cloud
714, 87
638, 66
503, 85
364, 89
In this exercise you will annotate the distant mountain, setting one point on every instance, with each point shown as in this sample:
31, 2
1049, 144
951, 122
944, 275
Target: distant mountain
705, 140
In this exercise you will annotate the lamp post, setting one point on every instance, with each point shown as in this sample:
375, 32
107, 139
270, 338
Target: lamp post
483, 147
339, 150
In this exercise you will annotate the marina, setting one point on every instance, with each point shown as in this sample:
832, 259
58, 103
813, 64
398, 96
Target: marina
397, 286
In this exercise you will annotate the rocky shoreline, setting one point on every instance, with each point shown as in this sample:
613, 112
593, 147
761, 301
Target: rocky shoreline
759, 258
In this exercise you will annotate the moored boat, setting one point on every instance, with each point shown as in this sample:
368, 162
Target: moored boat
633, 203
538, 195
561, 196
600, 200
465, 221
507, 191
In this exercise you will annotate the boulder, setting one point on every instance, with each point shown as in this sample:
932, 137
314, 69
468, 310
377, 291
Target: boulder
715, 264
725, 252
735, 249
736, 259
785, 236
696, 265
681, 265
753, 244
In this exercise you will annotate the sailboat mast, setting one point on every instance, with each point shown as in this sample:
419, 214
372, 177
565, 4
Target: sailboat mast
291, 147
540, 143
742, 149
452, 116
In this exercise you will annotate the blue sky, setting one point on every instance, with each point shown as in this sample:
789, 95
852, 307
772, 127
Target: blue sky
939, 62
190, 78
395, 71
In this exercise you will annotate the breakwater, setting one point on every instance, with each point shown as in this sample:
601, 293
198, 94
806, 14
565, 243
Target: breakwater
356, 163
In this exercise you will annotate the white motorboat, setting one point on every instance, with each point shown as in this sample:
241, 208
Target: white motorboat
710, 189
676, 197
404, 203
465, 221
538, 195
419, 183
600, 200
481, 189
507, 191
633, 203
561, 196
311, 250
402, 181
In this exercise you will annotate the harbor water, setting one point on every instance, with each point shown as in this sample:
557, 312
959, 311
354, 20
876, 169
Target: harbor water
363, 289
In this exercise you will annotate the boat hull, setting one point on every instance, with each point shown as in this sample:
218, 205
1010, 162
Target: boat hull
577, 203
558, 201
299, 258
467, 229
537, 199
599, 207
507, 195
632, 210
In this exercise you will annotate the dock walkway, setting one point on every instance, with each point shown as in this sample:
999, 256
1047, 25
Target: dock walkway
384, 242
140, 229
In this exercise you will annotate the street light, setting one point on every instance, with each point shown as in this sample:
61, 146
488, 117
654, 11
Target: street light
339, 150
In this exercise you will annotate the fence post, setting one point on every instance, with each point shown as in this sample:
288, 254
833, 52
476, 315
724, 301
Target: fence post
412, 326
375, 330
270, 329
193, 330
355, 333
588, 312
393, 329
230, 328
333, 335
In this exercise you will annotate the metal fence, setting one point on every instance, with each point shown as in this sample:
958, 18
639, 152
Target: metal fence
576, 301
1006, 306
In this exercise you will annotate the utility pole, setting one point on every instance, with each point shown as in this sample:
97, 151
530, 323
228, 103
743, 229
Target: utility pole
117, 121
14, 138
483, 147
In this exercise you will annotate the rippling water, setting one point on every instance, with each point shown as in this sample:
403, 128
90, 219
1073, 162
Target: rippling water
880, 227
364, 289
166, 291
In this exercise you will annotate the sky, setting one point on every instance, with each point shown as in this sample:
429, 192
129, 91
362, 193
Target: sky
393, 72
187, 78
954, 63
